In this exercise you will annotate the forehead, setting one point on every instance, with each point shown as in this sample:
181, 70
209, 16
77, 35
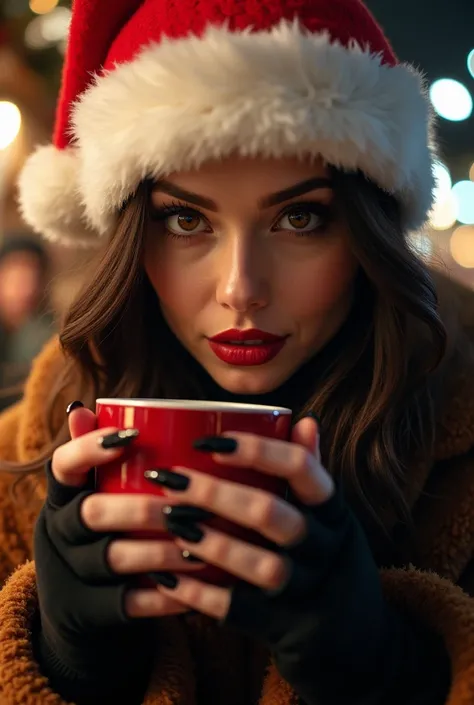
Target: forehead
252, 176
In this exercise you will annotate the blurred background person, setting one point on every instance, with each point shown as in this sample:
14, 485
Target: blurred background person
26, 320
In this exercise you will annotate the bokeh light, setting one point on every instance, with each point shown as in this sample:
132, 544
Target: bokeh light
49, 30
444, 213
451, 99
442, 178
461, 246
463, 192
10, 123
41, 7
470, 63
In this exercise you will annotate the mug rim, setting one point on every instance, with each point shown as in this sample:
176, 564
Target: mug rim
195, 405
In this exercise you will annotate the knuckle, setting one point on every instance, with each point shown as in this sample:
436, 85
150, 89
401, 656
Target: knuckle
92, 512
301, 462
271, 572
262, 512
145, 603
164, 553
133, 606
255, 449
206, 493
219, 548
193, 594
117, 557
145, 511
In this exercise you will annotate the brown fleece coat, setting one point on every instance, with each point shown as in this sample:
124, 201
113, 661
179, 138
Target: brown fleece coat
199, 664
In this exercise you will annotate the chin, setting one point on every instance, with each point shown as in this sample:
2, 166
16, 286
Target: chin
249, 381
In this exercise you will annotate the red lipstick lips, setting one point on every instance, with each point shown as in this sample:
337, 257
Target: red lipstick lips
246, 348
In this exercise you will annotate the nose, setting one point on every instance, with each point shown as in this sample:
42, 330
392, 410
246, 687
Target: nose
242, 281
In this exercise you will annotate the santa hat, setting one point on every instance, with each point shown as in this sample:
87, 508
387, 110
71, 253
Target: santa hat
156, 86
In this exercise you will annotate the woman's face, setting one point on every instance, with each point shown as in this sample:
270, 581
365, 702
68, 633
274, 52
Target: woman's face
250, 244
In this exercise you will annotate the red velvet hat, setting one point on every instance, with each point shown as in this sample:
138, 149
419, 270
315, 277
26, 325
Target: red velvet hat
155, 86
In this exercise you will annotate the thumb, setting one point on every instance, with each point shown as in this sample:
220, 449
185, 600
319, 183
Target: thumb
306, 433
80, 420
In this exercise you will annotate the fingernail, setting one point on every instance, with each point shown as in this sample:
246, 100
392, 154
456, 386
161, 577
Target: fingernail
185, 530
215, 444
119, 439
184, 512
313, 415
74, 405
168, 580
190, 558
169, 479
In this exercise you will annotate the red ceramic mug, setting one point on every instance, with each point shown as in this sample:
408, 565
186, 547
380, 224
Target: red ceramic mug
168, 429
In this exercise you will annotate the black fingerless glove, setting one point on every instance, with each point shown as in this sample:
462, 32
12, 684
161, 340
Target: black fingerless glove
331, 633
87, 647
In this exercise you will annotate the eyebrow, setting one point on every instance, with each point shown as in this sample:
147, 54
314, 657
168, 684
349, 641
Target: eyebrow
273, 199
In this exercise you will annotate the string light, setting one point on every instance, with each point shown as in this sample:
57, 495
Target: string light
461, 246
10, 123
41, 7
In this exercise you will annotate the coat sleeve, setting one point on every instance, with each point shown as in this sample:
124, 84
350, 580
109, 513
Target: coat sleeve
21, 682
445, 609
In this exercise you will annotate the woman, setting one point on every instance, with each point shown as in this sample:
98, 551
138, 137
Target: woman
245, 183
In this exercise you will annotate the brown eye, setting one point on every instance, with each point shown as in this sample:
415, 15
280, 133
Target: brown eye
299, 219
188, 222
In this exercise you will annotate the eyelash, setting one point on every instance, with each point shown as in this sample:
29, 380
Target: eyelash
323, 211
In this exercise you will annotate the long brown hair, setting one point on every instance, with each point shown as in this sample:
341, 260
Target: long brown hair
376, 403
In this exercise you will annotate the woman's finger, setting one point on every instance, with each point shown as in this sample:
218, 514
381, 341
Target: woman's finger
72, 461
196, 595
81, 421
295, 462
128, 556
306, 433
258, 566
109, 513
252, 508
152, 603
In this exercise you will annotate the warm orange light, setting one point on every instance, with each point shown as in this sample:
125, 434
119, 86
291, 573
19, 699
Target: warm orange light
461, 246
10, 123
41, 7
471, 172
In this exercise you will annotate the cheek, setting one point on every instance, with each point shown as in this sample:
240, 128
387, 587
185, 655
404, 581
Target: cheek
325, 283
173, 279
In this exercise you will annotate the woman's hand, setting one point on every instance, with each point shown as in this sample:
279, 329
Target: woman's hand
315, 600
85, 565
282, 523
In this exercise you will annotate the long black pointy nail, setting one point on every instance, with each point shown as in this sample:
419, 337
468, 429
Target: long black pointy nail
215, 444
190, 557
120, 439
168, 580
185, 512
189, 531
167, 478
